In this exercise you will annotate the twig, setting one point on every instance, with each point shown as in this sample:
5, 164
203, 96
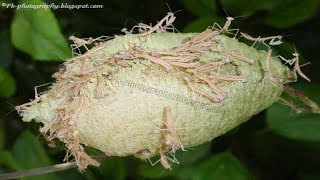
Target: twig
41, 170
300, 96
37, 171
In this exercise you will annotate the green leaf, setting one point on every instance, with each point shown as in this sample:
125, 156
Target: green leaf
286, 122
200, 7
221, 166
292, 12
282, 153
2, 130
233, 7
7, 160
300, 127
29, 153
157, 171
185, 158
36, 32
113, 168
7, 84
201, 24
193, 154
310, 90
5, 49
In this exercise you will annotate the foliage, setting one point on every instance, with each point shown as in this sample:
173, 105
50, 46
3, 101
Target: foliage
7, 84
275, 144
36, 32
286, 122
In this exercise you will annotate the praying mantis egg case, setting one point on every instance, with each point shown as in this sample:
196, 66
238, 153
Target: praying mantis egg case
128, 120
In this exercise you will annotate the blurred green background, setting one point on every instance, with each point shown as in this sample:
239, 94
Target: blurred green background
275, 144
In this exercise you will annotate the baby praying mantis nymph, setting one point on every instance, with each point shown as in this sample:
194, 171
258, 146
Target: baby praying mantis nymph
296, 68
269, 66
77, 43
225, 28
163, 24
274, 40
171, 138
